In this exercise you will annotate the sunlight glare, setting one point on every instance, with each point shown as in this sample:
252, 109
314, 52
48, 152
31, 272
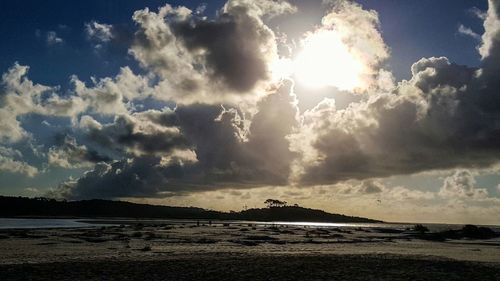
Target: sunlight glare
326, 61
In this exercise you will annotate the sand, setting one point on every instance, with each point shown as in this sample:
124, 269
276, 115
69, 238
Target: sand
240, 252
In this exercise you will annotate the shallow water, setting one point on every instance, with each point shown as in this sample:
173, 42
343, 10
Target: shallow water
41, 223
13, 223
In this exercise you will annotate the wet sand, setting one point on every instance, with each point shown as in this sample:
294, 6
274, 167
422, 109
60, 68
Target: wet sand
240, 252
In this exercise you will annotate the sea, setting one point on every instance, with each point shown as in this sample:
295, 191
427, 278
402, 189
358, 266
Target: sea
8, 223
40, 223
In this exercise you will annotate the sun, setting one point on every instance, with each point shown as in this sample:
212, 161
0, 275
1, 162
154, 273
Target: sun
325, 60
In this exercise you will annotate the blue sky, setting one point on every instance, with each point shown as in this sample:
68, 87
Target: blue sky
412, 30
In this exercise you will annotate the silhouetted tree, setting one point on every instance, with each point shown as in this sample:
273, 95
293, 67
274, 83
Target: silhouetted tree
275, 203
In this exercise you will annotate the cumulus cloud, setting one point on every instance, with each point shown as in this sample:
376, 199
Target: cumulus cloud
445, 116
9, 162
359, 188
99, 32
70, 155
53, 39
144, 133
343, 57
220, 122
376, 188
193, 148
491, 34
462, 184
359, 29
208, 60
18, 96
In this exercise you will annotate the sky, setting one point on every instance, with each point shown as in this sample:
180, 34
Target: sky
384, 109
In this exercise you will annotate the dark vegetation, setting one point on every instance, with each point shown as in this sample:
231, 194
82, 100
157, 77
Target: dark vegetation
43, 207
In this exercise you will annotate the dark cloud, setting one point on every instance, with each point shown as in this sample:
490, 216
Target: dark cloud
228, 155
68, 154
146, 133
233, 49
209, 58
442, 118
446, 116
138, 177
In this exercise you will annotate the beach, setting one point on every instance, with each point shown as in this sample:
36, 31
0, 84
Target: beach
241, 251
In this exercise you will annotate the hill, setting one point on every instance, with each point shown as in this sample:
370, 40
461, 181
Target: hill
43, 207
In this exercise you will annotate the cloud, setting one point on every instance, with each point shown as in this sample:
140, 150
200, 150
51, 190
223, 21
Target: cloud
423, 124
18, 96
70, 155
370, 187
9, 162
480, 14
32, 190
491, 35
359, 29
377, 189
230, 152
468, 32
99, 32
356, 188
205, 60
462, 185
53, 39
145, 133
193, 148
207, 115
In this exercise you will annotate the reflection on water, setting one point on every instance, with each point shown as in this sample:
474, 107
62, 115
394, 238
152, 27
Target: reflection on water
41, 223
8, 223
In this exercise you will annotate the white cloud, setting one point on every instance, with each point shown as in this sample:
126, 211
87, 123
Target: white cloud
462, 184
70, 155
360, 31
9, 162
99, 31
491, 34
468, 32
32, 190
53, 39
222, 60
480, 14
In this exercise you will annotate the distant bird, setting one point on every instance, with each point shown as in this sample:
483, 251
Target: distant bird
379, 201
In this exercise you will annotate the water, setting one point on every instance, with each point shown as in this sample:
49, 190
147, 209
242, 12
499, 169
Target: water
401, 226
8, 223
41, 223
435, 227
